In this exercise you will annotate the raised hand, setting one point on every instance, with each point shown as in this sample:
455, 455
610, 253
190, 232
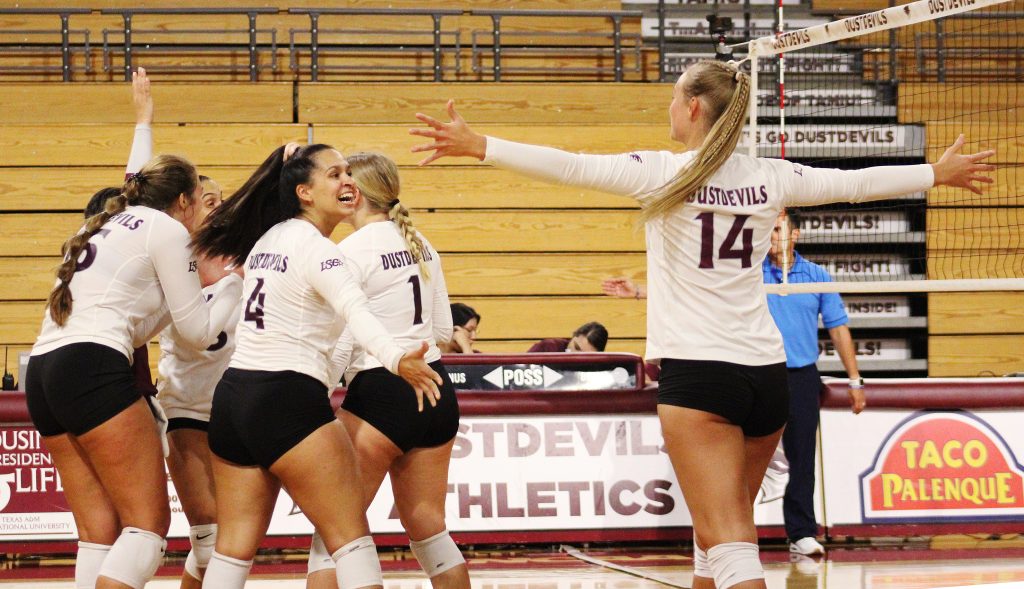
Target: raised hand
962, 171
141, 97
452, 139
420, 376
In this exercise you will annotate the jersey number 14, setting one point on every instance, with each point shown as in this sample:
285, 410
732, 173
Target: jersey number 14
728, 249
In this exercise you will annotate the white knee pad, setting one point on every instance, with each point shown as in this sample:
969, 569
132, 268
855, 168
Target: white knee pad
356, 564
319, 559
701, 568
734, 562
88, 562
224, 572
134, 557
437, 553
203, 539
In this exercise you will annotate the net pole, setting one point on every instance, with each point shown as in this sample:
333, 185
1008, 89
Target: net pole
780, 29
752, 107
784, 232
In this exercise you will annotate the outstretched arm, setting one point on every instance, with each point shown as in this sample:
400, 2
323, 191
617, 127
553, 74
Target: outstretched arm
628, 174
806, 186
142, 143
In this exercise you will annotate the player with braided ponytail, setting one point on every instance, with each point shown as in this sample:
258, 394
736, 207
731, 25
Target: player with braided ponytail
708, 215
401, 275
126, 265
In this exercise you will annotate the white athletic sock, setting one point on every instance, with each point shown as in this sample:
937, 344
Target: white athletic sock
225, 572
88, 562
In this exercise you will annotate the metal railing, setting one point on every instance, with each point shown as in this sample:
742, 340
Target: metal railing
615, 16
127, 14
66, 47
435, 47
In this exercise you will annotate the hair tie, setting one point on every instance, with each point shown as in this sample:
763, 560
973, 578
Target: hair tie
392, 204
138, 177
738, 75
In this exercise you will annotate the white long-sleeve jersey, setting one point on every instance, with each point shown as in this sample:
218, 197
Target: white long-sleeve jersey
412, 307
706, 300
297, 299
188, 376
138, 262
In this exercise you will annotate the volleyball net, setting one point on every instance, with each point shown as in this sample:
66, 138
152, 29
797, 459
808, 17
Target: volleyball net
897, 86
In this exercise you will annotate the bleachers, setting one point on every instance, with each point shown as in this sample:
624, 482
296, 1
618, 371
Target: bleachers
350, 47
527, 255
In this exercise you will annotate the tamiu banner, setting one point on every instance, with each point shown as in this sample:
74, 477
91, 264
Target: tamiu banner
922, 467
32, 504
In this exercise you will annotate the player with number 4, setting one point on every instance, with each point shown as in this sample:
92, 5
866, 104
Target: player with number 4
272, 424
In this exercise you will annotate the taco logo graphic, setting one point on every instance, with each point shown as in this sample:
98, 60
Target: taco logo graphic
942, 465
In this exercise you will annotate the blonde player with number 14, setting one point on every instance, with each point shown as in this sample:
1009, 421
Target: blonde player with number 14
708, 215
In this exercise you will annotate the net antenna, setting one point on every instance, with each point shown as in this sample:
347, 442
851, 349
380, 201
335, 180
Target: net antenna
896, 86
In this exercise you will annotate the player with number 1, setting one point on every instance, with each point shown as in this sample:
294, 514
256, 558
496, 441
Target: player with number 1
271, 424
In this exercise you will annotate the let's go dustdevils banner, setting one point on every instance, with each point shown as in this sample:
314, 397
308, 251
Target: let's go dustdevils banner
511, 473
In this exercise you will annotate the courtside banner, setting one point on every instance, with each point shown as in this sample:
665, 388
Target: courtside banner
512, 473
530, 473
32, 504
922, 467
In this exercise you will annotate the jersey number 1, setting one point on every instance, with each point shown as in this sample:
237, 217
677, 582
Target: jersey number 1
417, 300
728, 250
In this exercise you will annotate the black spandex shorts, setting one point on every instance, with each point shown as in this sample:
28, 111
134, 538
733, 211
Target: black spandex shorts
259, 415
388, 403
78, 387
187, 423
756, 398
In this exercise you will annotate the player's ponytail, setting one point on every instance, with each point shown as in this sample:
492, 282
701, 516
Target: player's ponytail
724, 91
376, 176
264, 200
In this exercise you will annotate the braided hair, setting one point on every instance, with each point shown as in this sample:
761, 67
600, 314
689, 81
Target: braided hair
376, 176
157, 185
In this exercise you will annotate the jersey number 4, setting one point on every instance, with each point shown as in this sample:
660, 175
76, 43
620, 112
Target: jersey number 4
728, 249
254, 306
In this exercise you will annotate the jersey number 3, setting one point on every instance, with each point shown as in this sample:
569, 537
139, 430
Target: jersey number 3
728, 249
254, 306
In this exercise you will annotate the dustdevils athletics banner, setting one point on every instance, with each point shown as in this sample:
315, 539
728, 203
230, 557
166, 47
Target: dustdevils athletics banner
507, 474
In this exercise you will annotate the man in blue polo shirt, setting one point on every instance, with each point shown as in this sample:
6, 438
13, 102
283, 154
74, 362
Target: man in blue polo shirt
796, 315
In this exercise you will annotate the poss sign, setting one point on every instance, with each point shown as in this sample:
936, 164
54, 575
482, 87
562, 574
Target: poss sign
939, 466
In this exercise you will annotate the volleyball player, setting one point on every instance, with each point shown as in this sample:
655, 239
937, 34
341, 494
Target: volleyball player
708, 214
188, 377
400, 272
271, 424
188, 374
120, 268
